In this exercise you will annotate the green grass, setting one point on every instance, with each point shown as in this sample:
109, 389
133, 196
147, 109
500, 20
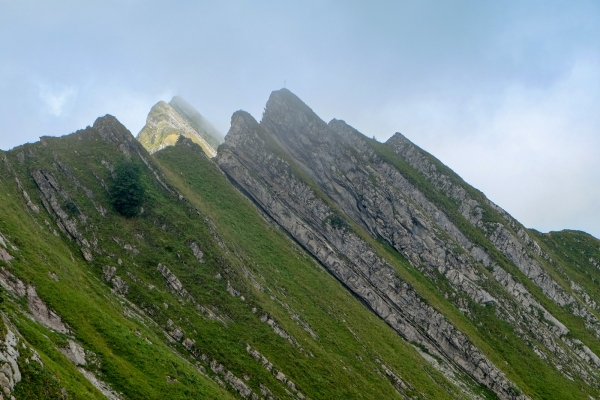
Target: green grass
288, 270
340, 363
128, 363
336, 365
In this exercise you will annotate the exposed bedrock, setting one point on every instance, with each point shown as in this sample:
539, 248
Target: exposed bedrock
271, 182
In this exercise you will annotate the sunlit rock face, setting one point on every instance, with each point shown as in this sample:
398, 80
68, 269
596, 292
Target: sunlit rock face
167, 121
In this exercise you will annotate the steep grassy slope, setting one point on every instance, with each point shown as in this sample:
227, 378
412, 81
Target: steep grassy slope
124, 348
197, 297
350, 340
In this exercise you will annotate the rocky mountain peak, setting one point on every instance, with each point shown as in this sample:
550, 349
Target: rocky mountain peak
284, 107
295, 126
284, 99
243, 128
201, 124
111, 129
179, 102
398, 139
342, 128
166, 122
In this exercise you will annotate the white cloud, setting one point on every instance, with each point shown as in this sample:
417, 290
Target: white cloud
55, 97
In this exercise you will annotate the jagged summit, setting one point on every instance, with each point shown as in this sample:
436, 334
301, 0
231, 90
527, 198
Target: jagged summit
399, 140
285, 106
343, 129
167, 121
299, 130
111, 129
241, 124
283, 99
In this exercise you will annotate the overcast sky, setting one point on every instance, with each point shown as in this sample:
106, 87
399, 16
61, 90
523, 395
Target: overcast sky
507, 93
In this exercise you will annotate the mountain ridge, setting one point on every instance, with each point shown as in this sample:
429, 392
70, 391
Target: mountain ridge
305, 260
305, 152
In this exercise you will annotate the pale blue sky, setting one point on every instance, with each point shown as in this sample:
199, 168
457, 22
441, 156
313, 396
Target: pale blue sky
507, 93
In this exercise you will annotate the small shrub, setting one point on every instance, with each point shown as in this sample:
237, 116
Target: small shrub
71, 207
336, 221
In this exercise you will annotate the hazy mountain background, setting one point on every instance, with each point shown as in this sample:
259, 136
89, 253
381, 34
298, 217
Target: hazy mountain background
506, 94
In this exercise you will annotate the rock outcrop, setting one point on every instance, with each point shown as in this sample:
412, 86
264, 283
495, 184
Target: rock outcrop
4, 254
10, 374
40, 311
14, 353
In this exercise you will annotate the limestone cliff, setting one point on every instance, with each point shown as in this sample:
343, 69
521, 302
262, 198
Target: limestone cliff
319, 228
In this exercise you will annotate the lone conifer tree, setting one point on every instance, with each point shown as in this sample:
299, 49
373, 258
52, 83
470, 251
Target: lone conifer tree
127, 189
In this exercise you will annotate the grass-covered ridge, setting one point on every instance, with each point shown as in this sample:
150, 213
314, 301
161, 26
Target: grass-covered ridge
130, 335
146, 376
134, 358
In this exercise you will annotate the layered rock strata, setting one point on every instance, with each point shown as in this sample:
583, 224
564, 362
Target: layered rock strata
272, 182
317, 180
